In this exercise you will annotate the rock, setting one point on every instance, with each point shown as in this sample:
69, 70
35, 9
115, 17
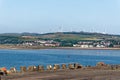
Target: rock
101, 64
77, 66
40, 68
23, 69
71, 66
13, 70
64, 66
31, 68
56, 67
49, 67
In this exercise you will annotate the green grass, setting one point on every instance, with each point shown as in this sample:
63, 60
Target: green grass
69, 37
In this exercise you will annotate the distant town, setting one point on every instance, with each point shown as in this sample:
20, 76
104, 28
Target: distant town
61, 39
81, 44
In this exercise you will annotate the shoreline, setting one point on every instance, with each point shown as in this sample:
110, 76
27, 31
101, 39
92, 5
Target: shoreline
67, 75
13, 47
78, 48
99, 72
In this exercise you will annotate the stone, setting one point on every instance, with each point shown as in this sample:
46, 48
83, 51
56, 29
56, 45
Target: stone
71, 66
64, 66
77, 66
23, 69
40, 68
49, 67
101, 64
56, 67
13, 70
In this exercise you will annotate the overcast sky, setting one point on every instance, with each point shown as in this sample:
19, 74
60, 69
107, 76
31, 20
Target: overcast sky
42, 16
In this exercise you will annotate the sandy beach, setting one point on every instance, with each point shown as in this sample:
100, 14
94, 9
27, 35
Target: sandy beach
66, 75
38, 47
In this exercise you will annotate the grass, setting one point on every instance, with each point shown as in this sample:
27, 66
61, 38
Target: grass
69, 37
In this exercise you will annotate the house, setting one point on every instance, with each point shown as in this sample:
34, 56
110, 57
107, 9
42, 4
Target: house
84, 46
100, 46
27, 44
41, 41
76, 45
116, 46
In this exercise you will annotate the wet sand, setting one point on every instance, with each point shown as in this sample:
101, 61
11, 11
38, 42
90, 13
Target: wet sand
67, 75
39, 47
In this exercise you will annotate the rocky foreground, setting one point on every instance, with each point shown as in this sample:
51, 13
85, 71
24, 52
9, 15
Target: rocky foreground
76, 71
77, 74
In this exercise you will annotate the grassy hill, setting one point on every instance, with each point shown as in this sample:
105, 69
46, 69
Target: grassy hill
78, 36
58, 36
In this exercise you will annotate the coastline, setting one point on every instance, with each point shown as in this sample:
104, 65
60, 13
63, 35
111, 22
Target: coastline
14, 47
78, 48
67, 75
76, 72
89, 73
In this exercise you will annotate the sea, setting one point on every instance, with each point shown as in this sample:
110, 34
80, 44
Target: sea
17, 58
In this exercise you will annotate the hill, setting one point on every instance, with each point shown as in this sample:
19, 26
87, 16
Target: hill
17, 38
79, 36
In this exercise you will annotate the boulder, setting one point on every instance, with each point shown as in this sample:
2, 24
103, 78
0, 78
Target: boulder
77, 66
71, 66
56, 67
64, 66
13, 70
49, 67
40, 68
23, 69
31, 68
101, 64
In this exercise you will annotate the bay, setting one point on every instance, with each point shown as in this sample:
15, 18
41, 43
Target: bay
17, 58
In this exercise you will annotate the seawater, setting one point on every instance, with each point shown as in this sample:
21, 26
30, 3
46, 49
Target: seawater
17, 58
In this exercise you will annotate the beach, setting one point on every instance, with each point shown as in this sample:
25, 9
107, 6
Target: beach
67, 75
39, 47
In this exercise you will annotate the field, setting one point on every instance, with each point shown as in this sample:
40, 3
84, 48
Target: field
69, 37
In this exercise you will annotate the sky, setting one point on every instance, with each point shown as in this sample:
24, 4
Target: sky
43, 16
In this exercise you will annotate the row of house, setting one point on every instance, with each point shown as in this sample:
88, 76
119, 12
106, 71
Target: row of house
101, 44
49, 43
82, 44
88, 46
